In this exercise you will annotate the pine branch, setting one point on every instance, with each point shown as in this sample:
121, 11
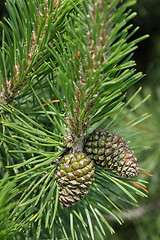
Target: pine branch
31, 32
37, 185
91, 69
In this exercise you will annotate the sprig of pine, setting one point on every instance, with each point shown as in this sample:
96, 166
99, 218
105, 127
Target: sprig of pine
94, 66
26, 33
37, 185
91, 67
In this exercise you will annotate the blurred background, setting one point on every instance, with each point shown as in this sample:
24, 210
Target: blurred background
145, 224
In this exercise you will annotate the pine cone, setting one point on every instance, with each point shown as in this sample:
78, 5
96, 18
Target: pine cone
74, 177
111, 152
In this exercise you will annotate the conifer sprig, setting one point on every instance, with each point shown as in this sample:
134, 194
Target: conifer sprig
94, 64
26, 34
91, 68
38, 187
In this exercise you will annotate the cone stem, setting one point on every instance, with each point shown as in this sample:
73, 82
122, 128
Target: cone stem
77, 145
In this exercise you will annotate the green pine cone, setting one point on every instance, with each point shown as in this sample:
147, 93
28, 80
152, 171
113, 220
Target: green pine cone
111, 152
74, 176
